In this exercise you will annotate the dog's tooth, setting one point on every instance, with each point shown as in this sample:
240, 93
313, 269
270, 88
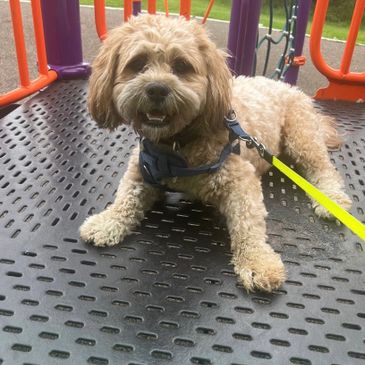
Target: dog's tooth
155, 118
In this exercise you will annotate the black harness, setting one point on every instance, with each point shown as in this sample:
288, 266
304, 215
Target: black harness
158, 162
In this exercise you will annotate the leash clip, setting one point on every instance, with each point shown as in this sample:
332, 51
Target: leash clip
249, 141
254, 143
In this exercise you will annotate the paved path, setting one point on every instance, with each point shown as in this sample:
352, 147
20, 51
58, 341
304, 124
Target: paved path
309, 80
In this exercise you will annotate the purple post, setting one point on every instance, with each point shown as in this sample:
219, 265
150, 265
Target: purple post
62, 31
242, 29
137, 7
234, 34
249, 48
242, 35
304, 7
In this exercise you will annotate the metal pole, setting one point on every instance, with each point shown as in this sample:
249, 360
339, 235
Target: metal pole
62, 31
242, 27
304, 7
242, 35
249, 46
233, 34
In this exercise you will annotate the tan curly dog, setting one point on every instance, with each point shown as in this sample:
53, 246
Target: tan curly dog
167, 79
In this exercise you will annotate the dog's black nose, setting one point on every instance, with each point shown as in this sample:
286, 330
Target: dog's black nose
157, 92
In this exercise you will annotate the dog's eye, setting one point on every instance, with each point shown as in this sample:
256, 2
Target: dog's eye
182, 67
137, 64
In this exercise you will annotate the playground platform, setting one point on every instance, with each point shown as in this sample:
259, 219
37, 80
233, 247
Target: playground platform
167, 295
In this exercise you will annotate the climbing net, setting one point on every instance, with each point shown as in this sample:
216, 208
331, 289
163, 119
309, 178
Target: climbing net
286, 37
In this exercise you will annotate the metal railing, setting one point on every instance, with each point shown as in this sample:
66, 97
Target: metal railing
49, 29
343, 84
45, 76
244, 42
133, 7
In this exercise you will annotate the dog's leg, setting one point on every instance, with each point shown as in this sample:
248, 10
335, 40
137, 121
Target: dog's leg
236, 191
133, 198
306, 134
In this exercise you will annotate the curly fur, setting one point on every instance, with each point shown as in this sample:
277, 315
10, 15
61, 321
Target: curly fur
180, 56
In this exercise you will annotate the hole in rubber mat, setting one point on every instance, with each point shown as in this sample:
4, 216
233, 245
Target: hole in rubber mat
200, 361
161, 355
21, 347
49, 335
300, 361
97, 361
59, 354
12, 329
170, 285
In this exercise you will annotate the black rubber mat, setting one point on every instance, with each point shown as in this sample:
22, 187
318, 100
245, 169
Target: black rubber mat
167, 294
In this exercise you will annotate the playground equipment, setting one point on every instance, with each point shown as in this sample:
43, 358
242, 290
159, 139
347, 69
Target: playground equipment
343, 84
168, 294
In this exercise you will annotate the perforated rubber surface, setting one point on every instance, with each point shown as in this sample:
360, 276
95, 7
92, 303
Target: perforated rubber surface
167, 294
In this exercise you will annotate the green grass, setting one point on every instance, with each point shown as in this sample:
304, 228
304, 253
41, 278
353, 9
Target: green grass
221, 10
331, 30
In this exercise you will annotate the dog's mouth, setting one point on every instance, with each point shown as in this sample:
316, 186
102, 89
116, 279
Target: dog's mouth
154, 119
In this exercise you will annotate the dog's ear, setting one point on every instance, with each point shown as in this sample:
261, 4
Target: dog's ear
100, 95
219, 85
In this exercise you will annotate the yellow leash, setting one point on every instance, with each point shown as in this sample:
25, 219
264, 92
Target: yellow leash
341, 214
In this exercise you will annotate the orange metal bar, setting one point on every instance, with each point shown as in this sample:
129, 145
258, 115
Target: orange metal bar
22, 92
39, 37
185, 8
352, 35
45, 76
319, 18
128, 9
341, 91
166, 5
152, 6
99, 13
344, 85
207, 12
21, 54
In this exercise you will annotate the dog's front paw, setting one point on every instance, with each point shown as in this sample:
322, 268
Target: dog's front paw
264, 272
339, 197
103, 229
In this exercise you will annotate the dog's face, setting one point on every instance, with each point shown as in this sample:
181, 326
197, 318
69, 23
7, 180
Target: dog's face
160, 75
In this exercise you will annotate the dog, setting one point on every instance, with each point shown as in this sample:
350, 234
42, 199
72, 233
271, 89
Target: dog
169, 81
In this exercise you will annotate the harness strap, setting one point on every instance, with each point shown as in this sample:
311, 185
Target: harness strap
157, 163
204, 169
